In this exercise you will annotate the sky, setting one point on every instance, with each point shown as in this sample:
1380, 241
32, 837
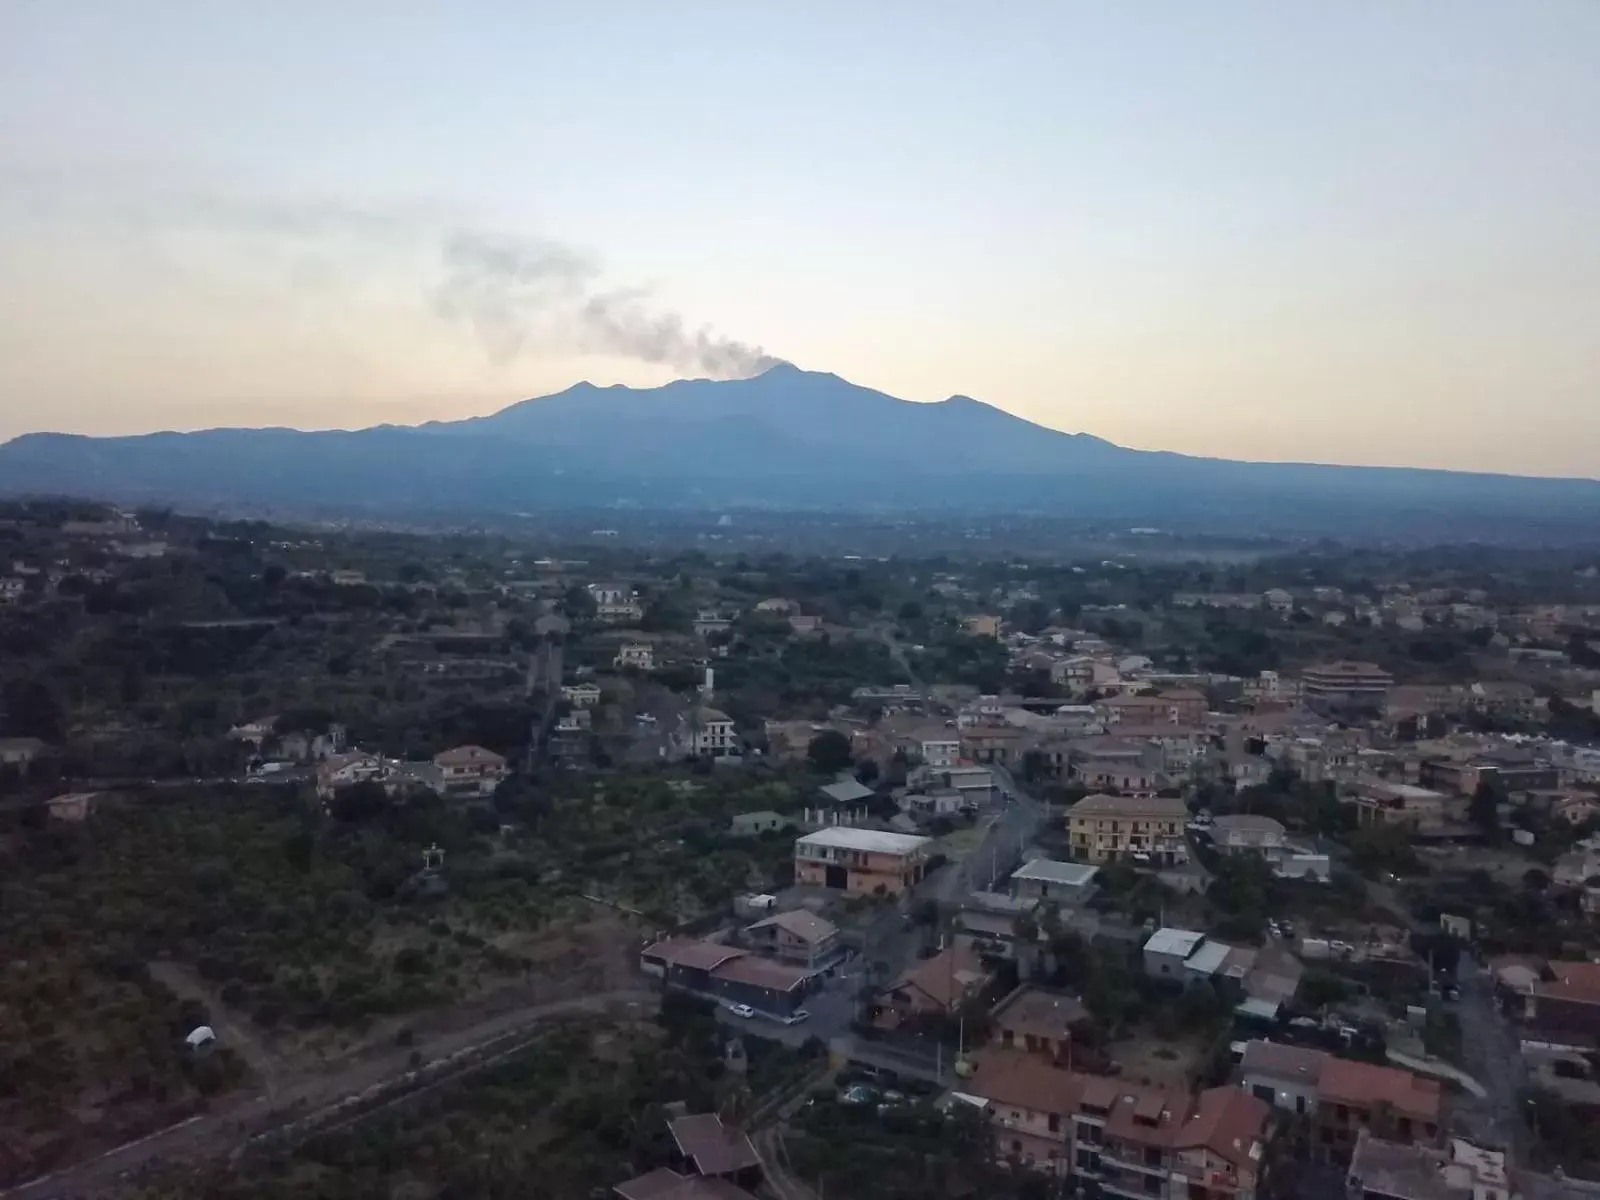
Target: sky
1266, 229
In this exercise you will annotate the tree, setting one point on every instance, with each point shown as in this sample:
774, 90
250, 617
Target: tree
829, 752
867, 771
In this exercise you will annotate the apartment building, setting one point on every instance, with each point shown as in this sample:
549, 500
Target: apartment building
1354, 1096
470, 771
615, 603
1129, 1141
860, 861
1143, 828
1379, 802
713, 735
641, 655
1346, 689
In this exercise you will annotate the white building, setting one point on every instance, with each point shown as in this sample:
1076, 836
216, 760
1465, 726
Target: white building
641, 655
941, 752
714, 735
615, 603
1167, 952
581, 695
1284, 1076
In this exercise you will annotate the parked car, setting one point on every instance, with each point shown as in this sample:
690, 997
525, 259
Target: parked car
797, 1016
741, 1010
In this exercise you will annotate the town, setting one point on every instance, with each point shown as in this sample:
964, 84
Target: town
706, 867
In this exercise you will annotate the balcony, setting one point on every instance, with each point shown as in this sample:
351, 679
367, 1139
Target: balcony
1133, 1187
1132, 1158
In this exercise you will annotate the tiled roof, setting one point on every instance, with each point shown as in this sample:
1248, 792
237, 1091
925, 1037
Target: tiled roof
1348, 1082
1230, 1123
1026, 1081
716, 1149
1276, 1061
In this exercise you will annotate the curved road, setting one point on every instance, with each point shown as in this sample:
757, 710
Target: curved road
218, 1132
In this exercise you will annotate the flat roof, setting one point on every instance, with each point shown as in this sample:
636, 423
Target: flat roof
871, 840
1209, 958
1049, 870
1181, 942
846, 791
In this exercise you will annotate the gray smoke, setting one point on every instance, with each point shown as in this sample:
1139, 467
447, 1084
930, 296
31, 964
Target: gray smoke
515, 292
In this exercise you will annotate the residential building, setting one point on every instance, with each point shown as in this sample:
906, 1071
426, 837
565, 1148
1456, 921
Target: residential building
581, 695
714, 1150
1064, 883
798, 936
933, 987
615, 603
778, 606
1039, 1022
12, 589
1353, 1096
983, 625
1346, 690
844, 802
347, 770
860, 861
469, 771
1233, 832
1167, 953
1282, 1075
1180, 707
803, 625
640, 655
1144, 828
1269, 687
713, 734
710, 623
727, 974
72, 806
1387, 1170
941, 751
754, 824
666, 1184
1114, 1138
1562, 1002
1380, 802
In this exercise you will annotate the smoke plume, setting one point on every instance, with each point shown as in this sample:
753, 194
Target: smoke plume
517, 292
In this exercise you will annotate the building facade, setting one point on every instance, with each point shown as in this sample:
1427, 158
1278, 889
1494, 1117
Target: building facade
1105, 828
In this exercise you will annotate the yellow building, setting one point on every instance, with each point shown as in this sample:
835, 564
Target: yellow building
1145, 829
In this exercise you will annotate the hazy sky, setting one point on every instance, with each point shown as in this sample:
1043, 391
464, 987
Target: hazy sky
1349, 232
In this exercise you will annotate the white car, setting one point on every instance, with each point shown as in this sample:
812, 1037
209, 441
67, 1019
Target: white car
741, 1010
797, 1016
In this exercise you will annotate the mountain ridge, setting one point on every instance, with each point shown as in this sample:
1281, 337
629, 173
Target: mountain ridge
787, 438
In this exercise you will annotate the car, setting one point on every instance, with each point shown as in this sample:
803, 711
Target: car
797, 1016
741, 1010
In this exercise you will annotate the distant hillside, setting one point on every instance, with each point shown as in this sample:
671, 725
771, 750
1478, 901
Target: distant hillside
787, 439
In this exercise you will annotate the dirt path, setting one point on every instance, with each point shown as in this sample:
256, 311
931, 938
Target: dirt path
235, 1120
234, 1031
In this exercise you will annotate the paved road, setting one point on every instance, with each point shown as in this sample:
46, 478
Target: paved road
1492, 1057
225, 1128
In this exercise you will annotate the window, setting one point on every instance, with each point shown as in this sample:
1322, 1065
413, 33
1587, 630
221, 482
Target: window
1152, 1157
1016, 1147
1300, 1104
1055, 1122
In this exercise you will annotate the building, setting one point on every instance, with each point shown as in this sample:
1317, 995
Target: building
581, 695
1234, 832
666, 1184
860, 861
1385, 1170
1346, 690
469, 771
715, 1151
1144, 828
1039, 1022
1167, 954
1118, 1139
844, 802
798, 936
940, 752
12, 589
1380, 802
615, 603
727, 974
983, 625
1354, 1096
1067, 884
346, 770
933, 987
1561, 1003
709, 623
713, 735
754, 824
639, 655
1284, 1076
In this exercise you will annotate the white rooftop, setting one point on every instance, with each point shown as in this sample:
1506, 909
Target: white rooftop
871, 840
1178, 942
1048, 870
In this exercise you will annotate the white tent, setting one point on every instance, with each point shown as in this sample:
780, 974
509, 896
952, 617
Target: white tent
201, 1035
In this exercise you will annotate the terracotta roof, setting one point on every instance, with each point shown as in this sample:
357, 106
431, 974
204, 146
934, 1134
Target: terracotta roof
464, 756
1365, 1084
1041, 1013
715, 1148
1230, 1123
945, 978
1147, 1115
758, 972
1580, 980
1026, 1081
691, 953
1169, 808
806, 926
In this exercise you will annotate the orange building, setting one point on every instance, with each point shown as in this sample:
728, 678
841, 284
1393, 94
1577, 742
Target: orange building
860, 861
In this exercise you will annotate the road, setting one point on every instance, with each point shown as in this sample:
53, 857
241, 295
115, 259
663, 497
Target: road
237, 1119
1492, 1057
